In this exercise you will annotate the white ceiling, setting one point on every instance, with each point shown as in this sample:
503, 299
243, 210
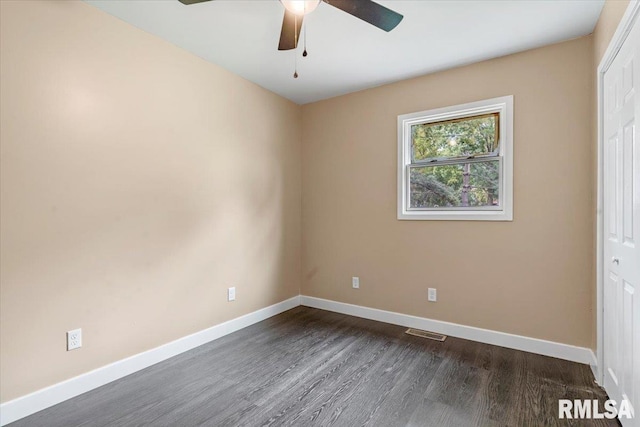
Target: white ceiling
347, 54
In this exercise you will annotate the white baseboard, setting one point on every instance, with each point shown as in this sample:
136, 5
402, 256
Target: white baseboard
593, 364
517, 342
23, 406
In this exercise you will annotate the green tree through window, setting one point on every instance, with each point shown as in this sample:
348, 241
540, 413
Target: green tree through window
455, 163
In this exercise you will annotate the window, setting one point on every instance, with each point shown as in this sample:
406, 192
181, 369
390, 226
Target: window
456, 163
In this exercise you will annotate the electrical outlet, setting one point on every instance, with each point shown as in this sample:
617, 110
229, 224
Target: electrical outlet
433, 295
355, 282
74, 339
231, 294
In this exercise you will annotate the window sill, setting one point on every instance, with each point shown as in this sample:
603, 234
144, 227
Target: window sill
456, 215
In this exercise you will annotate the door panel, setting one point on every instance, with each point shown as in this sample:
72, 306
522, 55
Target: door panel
627, 184
611, 171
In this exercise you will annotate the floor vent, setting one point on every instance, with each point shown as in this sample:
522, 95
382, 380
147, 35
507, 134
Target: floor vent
426, 334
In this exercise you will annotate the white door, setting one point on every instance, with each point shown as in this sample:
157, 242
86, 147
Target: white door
622, 226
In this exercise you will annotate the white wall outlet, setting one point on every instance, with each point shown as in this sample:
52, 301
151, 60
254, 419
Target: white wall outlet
231, 294
355, 282
74, 339
433, 295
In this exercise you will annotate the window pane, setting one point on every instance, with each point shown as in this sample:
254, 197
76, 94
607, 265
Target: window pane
471, 136
461, 185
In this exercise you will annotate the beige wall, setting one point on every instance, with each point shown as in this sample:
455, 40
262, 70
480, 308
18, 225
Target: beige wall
137, 183
532, 276
609, 19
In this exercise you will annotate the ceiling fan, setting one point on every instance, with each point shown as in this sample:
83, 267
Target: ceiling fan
367, 10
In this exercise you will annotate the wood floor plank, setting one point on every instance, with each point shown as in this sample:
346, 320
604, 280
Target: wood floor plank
407, 393
308, 367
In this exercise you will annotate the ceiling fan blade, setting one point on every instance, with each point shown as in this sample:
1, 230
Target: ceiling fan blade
188, 2
291, 25
369, 11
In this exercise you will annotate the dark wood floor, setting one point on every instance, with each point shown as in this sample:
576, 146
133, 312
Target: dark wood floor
309, 367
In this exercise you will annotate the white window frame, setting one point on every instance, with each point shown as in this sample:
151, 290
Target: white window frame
503, 106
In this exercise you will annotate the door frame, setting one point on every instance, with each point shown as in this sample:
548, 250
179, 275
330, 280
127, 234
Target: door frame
631, 15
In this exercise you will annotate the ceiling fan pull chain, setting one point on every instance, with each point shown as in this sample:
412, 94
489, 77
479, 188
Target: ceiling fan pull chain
295, 68
304, 53
295, 26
